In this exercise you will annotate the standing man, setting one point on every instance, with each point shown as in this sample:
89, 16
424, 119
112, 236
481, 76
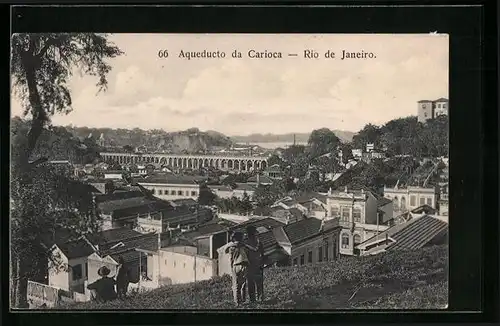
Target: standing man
255, 278
239, 265
122, 278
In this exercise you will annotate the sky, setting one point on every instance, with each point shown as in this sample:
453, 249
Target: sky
241, 96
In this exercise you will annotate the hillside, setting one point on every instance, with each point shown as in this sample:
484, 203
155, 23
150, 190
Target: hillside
396, 280
345, 136
55, 143
191, 140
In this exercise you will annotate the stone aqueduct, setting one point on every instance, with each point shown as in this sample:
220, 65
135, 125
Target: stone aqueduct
221, 162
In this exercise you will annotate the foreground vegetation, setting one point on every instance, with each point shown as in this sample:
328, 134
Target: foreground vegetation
395, 280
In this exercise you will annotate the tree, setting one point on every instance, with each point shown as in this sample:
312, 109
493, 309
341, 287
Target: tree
41, 65
246, 204
322, 141
370, 134
128, 149
206, 196
346, 153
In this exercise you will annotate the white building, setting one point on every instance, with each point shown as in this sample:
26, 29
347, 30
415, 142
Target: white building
406, 199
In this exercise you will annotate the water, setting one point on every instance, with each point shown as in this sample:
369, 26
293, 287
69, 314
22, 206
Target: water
273, 145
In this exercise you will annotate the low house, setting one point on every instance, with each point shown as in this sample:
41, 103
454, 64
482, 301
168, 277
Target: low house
274, 172
68, 267
416, 233
114, 174
127, 249
258, 180
221, 191
176, 217
310, 240
242, 189
172, 186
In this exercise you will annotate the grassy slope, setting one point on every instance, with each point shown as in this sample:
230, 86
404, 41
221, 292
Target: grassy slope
396, 280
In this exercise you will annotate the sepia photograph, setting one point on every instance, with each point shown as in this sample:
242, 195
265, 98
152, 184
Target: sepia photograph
229, 171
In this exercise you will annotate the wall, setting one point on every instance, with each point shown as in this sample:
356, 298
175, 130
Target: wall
59, 275
313, 245
371, 207
425, 111
77, 284
388, 212
188, 190
177, 268
417, 193
441, 108
443, 207
94, 263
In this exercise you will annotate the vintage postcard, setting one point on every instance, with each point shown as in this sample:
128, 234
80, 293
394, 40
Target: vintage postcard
223, 171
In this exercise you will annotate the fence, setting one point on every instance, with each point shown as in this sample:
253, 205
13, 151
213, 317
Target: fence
42, 295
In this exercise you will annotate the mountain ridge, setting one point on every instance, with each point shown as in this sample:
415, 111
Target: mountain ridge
345, 136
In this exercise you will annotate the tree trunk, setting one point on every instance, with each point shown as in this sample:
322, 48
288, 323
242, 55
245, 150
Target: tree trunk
20, 282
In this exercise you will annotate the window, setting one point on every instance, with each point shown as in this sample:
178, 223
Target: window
160, 192
174, 263
422, 201
302, 261
193, 193
444, 106
203, 270
345, 241
356, 214
184, 265
335, 211
320, 254
345, 213
77, 272
179, 192
424, 106
429, 201
425, 114
403, 203
413, 201
310, 257
295, 262
165, 261
86, 269
396, 203
154, 191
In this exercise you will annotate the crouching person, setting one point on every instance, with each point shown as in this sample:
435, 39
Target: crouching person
239, 266
103, 289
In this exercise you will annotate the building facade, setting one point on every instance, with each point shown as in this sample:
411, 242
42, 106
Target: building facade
170, 191
431, 109
407, 199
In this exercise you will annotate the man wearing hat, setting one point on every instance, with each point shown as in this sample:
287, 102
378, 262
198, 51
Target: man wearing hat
239, 265
255, 277
104, 288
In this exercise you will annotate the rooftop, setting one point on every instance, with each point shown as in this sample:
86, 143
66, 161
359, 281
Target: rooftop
244, 187
172, 179
419, 233
262, 179
301, 230
119, 196
112, 236
109, 207
76, 249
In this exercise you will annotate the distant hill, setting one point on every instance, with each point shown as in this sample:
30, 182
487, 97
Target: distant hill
190, 141
345, 136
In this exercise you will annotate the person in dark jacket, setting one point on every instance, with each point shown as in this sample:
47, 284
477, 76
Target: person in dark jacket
239, 265
104, 288
122, 278
255, 278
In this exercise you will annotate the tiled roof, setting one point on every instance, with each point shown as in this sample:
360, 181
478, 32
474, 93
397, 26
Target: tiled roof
244, 187
442, 99
185, 202
139, 208
295, 212
382, 201
262, 179
419, 233
128, 250
220, 187
112, 236
424, 101
267, 222
268, 240
424, 209
76, 249
119, 196
310, 196
208, 228
302, 230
